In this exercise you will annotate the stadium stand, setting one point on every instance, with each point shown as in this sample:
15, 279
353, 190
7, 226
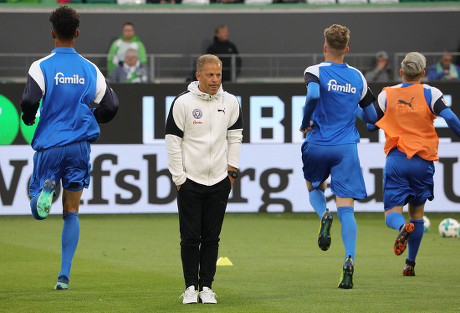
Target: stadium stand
270, 53
102, 1
130, 1
258, 1
383, 1
196, 2
321, 1
352, 1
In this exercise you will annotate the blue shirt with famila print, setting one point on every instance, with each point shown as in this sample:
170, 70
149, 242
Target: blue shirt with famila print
341, 89
69, 83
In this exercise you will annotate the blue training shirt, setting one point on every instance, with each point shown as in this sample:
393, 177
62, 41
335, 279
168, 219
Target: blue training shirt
67, 83
342, 88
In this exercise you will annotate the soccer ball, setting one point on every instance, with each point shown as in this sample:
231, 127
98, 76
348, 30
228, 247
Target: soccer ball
426, 224
448, 227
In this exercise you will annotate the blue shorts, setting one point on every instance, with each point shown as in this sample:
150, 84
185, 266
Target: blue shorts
406, 180
341, 162
70, 163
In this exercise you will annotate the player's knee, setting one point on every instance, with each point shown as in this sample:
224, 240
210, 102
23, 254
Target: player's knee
344, 210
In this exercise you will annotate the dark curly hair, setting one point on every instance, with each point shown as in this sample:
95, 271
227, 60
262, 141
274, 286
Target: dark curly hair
65, 22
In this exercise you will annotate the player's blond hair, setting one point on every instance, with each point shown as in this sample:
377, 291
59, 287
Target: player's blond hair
413, 65
337, 37
207, 58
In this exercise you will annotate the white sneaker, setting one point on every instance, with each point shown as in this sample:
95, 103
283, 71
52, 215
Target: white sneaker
190, 295
207, 296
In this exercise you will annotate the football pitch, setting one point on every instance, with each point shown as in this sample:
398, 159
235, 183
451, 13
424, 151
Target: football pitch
131, 263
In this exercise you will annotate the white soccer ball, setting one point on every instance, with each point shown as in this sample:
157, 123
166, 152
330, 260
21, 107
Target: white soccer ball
448, 227
426, 224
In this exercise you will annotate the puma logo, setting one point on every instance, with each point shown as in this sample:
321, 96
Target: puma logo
221, 110
406, 103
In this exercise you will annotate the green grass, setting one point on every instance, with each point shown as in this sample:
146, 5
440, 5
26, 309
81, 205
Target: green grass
131, 263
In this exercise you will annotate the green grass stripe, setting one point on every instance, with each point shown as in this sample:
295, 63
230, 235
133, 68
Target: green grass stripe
131, 263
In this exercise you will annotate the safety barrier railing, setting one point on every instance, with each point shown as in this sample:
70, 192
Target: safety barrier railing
168, 68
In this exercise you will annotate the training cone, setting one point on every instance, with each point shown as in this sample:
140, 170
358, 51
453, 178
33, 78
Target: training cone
224, 261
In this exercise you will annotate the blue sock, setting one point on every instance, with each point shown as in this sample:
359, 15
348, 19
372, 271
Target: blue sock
415, 239
349, 230
318, 201
70, 234
395, 220
33, 207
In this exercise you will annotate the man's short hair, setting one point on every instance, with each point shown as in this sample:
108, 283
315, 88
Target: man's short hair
132, 52
413, 65
128, 23
219, 27
207, 58
65, 22
337, 37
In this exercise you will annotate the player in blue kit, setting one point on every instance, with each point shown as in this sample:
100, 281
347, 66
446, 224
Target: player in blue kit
66, 84
335, 90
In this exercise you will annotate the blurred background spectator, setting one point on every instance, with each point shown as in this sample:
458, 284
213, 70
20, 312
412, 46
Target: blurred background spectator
222, 46
444, 70
131, 70
457, 58
382, 72
127, 40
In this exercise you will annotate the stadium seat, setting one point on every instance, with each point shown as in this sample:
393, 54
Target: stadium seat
351, 1
102, 1
24, 1
258, 1
383, 1
195, 1
321, 1
130, 1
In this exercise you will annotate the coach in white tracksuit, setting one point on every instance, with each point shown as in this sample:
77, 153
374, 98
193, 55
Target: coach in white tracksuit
203, 139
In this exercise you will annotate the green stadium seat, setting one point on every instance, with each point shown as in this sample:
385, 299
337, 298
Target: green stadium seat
321, 1
102, 1
22, 1
383, 1
351, 1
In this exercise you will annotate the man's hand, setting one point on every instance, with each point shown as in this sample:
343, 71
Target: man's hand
31, 123
232, 180
27, 122
306, 130
381, 64
233, 169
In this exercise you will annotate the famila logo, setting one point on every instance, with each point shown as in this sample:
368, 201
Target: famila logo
75, 79
332, 85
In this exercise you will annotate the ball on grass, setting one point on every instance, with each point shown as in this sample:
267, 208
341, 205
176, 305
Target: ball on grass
448, 227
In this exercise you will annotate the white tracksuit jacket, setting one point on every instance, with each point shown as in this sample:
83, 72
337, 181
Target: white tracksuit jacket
203, 136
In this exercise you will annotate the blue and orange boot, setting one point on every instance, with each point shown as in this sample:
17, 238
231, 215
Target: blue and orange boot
403, 236
409, 268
